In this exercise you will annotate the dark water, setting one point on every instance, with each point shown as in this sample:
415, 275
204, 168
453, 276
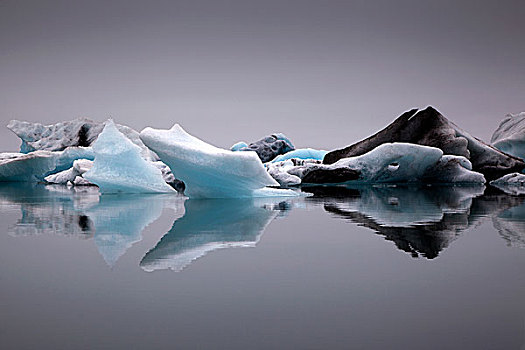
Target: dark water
385, 267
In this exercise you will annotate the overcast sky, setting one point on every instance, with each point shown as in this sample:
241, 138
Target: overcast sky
325, 73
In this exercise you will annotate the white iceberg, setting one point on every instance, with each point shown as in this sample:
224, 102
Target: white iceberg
509, 137
35, 166
208, 171
80, 132
119, 166
80, 166
388, 163
513, 184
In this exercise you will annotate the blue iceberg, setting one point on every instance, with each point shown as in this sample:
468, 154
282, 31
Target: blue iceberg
208, 171
119, 166
301, 153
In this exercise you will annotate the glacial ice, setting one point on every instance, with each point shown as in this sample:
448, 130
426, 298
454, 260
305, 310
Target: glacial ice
238, 146
387, 163
80, 166
267, 148
509, 137
301, 153
35, 166
513, 184
208, 171
81, 132
119, 166
429, 128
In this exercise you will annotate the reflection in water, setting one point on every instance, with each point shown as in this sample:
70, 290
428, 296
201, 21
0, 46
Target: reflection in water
48, 210
420, 221
510, 224
208, 225
118, 221
114, 221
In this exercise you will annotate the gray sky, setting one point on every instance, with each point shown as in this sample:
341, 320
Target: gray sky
325, 73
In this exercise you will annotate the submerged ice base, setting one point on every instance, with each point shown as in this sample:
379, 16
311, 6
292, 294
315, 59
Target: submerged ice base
208, 171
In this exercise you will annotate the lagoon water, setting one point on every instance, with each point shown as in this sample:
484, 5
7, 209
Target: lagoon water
370, 267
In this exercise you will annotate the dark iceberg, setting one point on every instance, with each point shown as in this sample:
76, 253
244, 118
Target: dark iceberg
429, 128
270, 147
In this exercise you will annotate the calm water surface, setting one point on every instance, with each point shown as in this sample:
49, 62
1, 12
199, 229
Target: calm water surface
363, 268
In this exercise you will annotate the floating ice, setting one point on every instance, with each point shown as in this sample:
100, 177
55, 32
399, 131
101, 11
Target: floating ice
289, 172
267, 148
509, 137
119, 166
513, 184
238, 146
80, 166
387, 163
302, 153
79, 132
208, 171
35, 166
429, 128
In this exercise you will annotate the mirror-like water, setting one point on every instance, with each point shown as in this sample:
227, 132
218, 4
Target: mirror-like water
368, 267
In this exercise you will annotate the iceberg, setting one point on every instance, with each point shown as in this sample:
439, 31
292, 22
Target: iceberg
388, 163
35, 166
80, 166
513, 184
119, 166
208, 171
302, 153
429, 128
267, 148
509, 137
81, 132
238, 146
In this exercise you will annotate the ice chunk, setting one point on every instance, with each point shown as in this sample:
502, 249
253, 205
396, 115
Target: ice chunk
267, 148
208, 171
394, 163
509, 137
35, 166
238, 146
453, 169
302, 153
79, 132
289, 172
80, 166
119, 167
513, 184
429, 128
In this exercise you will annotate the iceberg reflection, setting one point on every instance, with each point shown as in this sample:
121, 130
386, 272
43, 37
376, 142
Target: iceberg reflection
421, 221
208, 225
118, 221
